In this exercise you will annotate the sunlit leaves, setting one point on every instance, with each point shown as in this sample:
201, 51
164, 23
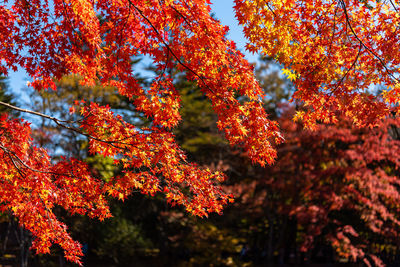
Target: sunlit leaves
97, 40
337, 53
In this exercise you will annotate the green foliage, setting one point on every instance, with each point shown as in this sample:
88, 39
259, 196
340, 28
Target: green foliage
103, 166
121, 240
197, 132
5, 95
214, 246
277, 88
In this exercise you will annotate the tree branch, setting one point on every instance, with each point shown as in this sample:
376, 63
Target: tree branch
363, 44
60, 123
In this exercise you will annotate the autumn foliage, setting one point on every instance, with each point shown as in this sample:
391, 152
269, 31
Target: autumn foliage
334, 51
97, 40
341, 182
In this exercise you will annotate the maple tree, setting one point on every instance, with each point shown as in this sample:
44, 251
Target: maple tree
342, 57
125, 236
130, 234
97, 40
341, 182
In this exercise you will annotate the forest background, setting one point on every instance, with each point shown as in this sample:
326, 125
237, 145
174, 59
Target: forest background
328, 199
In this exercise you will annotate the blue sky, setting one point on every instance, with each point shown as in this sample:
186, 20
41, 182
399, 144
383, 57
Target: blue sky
223, 10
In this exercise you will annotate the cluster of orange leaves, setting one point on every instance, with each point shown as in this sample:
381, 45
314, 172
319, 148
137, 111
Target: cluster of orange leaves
339, 54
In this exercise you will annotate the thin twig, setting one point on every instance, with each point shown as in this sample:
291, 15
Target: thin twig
12, 154
351, 67
363, 44
391, 2
270, 9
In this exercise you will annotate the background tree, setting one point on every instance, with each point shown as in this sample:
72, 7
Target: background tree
339, 183
5, 94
